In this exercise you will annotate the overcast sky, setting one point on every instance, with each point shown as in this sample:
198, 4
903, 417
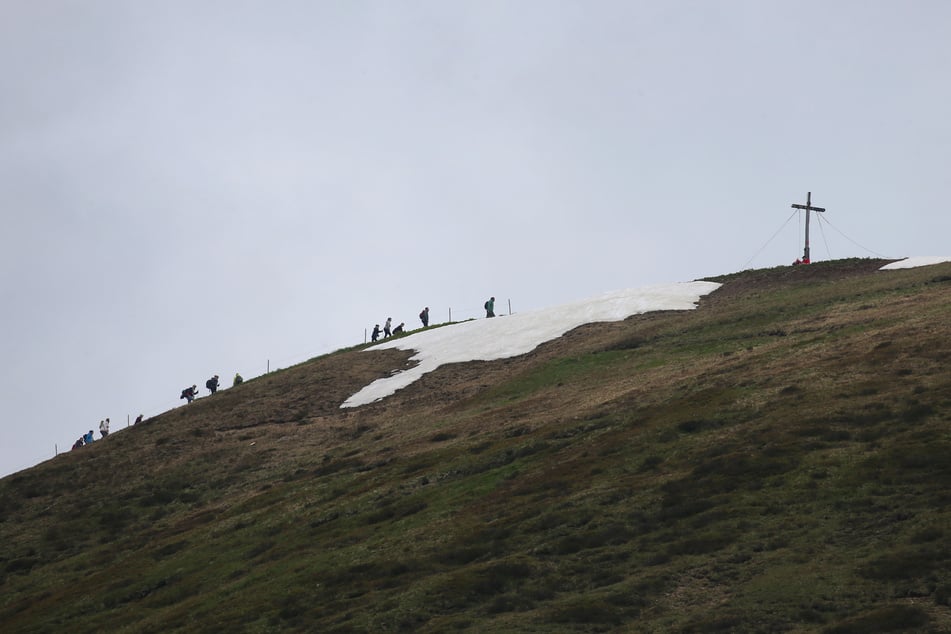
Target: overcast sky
202, 187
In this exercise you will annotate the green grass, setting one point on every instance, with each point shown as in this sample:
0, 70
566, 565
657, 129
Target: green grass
776, 461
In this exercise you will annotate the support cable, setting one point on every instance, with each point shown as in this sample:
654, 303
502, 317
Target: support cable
797, 242
822, 231
854, 242
770, 240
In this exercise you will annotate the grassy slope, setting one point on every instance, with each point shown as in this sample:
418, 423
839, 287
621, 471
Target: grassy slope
778, 460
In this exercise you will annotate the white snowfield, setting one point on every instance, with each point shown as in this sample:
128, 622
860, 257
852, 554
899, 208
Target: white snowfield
910, 263
512, 335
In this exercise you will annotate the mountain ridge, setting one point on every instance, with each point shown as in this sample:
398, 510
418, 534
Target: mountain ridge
772, 461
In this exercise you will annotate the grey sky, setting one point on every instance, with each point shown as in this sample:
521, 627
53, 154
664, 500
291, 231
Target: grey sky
196, 188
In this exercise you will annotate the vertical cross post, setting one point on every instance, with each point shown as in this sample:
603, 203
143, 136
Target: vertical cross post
808, 207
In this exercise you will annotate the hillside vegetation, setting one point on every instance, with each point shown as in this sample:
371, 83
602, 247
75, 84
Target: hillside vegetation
778, 460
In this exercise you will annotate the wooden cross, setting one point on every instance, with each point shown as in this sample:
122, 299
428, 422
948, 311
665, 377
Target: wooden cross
808, 207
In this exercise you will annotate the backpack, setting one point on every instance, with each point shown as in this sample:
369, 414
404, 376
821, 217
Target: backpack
209, 383
486, 305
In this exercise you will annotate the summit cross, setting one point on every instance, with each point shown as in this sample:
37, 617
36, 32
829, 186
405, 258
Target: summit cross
808, 207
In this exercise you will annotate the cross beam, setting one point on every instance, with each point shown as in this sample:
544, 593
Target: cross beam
808, 207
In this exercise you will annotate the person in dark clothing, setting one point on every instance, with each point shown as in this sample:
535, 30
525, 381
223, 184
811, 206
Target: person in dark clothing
189, 393
212, 384
387, 326
79, 443
399, 329
424, 317
238, 379
490, 307
376, 333
138, 419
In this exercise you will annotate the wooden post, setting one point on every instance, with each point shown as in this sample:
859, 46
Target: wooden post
808, 207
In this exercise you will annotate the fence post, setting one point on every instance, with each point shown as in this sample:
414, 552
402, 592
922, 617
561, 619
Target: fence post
450, 314
510, 307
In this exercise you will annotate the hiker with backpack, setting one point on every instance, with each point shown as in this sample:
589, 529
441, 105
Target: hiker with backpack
212, 384
189, 393
376, 333
489, 307
399, 329
387, 326
104, 428
424, 317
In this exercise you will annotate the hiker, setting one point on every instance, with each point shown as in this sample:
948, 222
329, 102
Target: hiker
376, 333
238, 379
138, 419
386, 327
87, 438
79, 443
212, 384
424, 317
399, 329
189, 393
489, 307
104, 428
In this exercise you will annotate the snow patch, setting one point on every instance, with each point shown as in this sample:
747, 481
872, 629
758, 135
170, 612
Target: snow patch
512, 335
910, 263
